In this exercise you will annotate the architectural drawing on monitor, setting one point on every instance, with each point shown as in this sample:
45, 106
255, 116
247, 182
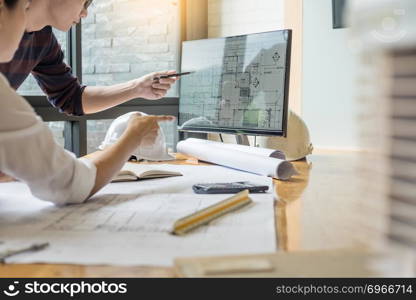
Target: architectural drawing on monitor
242, 88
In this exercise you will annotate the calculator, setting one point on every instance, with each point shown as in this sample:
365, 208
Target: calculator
229, 188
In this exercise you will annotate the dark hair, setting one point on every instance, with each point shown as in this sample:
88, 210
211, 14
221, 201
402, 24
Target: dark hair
11, 3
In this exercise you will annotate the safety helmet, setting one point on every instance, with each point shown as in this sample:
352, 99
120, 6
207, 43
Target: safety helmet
155, 152
296, 145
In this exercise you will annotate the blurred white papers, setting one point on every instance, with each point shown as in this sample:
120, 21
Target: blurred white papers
128, 223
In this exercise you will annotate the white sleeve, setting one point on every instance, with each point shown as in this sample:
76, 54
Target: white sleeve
28, 152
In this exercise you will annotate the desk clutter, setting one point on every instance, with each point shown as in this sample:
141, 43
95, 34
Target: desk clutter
130, 223
266, 162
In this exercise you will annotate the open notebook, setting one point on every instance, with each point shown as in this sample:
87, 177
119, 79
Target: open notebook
134, 172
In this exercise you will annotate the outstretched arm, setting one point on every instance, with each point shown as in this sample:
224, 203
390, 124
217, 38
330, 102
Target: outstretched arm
29, 153
99, 98
112, 159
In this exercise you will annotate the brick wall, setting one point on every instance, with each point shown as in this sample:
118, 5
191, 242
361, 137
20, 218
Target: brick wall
122, 40
125, 39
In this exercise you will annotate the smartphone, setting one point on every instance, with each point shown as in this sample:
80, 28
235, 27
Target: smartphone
228, 188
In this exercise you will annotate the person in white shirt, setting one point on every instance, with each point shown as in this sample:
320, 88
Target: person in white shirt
28, 151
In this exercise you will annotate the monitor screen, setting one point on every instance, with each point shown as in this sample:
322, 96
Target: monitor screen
238, 84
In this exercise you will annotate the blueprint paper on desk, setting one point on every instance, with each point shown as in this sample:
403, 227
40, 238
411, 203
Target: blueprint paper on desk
129, 223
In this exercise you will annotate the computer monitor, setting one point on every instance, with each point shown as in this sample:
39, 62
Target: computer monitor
239, 84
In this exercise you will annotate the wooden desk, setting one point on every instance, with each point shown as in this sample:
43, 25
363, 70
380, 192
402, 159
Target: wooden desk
321, 208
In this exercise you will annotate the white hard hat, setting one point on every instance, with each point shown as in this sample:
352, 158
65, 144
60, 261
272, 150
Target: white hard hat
200, 121
296, 145
155, 152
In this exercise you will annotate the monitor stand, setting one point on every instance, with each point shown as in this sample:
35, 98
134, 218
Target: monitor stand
242, 139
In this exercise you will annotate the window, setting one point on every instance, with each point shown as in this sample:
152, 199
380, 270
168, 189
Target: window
126, 41
117, 42
30, 87
97, 129
58, 129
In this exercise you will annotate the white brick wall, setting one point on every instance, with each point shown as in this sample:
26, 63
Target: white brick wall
234, 17
122, 40
125, 39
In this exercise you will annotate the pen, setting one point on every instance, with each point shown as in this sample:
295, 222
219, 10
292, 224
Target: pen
12, 252
172, 75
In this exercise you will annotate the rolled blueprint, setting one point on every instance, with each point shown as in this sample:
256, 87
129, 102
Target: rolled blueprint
221, 154
247, 149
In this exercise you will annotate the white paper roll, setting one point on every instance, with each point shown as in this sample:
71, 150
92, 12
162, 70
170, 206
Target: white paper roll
221, 154
247, 149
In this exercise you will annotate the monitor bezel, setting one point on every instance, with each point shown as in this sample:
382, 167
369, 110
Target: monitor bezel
237, 131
